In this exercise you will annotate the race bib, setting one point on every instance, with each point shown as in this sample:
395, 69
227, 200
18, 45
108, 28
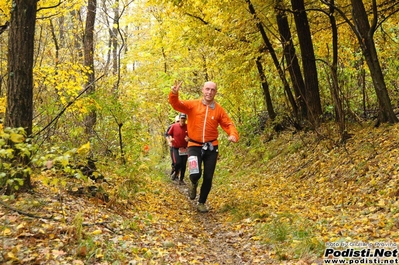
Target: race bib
193, 166
183, 151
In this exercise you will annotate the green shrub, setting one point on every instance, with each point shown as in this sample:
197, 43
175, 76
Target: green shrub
15, 154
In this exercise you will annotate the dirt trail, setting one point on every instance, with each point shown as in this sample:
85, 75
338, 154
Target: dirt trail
217, 241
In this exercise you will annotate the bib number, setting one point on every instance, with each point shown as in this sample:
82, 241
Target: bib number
183, 151
193, 166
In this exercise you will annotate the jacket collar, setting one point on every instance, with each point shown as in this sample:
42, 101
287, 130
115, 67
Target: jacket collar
212, 105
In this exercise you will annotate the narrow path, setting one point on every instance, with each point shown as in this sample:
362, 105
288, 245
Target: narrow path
211, 240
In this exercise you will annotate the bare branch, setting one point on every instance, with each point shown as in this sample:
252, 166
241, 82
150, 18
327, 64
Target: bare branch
373, 25
4, 27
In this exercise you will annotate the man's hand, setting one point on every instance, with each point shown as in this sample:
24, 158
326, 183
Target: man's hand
232, 138
176, 87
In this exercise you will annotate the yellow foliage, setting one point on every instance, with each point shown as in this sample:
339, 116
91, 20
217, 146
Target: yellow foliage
3, 104
5, 7
96, 232
84, 149
16, 138
66, 81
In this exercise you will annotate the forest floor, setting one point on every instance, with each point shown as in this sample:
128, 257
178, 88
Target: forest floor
164, 227
278, 203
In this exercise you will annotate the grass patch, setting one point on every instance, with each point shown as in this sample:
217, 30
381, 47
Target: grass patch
290, 237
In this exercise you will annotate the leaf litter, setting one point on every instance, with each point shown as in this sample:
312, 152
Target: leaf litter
274, 205
155, 228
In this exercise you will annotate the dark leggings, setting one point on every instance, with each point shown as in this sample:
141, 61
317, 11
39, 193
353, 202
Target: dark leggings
180, 163
171, 157
209, 159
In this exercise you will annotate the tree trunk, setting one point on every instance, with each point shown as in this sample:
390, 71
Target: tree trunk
266, 91
89, 61
308, 61
276, 62
292, 61
365, 34
19, 112
115, 53
339, 112
20, 65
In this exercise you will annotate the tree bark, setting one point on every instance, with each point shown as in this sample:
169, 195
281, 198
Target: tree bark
89, 61
365, 33
266, 91
292, 61
335, 90
19, 112
308, 61
276, 62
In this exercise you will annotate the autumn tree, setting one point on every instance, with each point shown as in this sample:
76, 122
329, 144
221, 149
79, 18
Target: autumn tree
333, 67
364, 31
20, 65
19, 110
270, 49
89, 60
266, 89
312, 96
291, 58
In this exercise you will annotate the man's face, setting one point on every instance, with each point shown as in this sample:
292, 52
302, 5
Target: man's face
209, 90
182, 121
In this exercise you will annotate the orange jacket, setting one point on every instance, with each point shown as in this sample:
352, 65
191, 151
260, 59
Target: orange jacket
203, 120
